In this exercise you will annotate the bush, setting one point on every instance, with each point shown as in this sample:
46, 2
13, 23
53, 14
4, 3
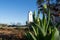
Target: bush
43, 28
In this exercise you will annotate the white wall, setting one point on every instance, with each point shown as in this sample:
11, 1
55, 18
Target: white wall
30, 16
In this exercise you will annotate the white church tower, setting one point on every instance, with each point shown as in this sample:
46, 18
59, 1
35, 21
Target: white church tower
30, 17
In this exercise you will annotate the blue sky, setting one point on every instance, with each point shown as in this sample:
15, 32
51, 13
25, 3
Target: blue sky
13, 11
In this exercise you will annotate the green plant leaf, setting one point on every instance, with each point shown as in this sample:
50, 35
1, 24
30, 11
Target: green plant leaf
55, 34
34, 38
41, 29
34, 30
48, 20
34, 16
44, 21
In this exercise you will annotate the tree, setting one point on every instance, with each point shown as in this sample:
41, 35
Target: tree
50, 4
53, 6
18, 24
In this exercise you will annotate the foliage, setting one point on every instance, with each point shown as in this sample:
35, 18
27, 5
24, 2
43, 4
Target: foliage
42, 28
52, 4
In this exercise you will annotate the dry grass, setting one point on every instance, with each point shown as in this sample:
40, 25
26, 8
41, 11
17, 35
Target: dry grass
12, 33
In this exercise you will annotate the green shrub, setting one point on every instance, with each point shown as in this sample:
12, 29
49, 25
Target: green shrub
43, 28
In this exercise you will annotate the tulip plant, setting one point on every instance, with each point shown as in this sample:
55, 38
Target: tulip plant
42, 28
